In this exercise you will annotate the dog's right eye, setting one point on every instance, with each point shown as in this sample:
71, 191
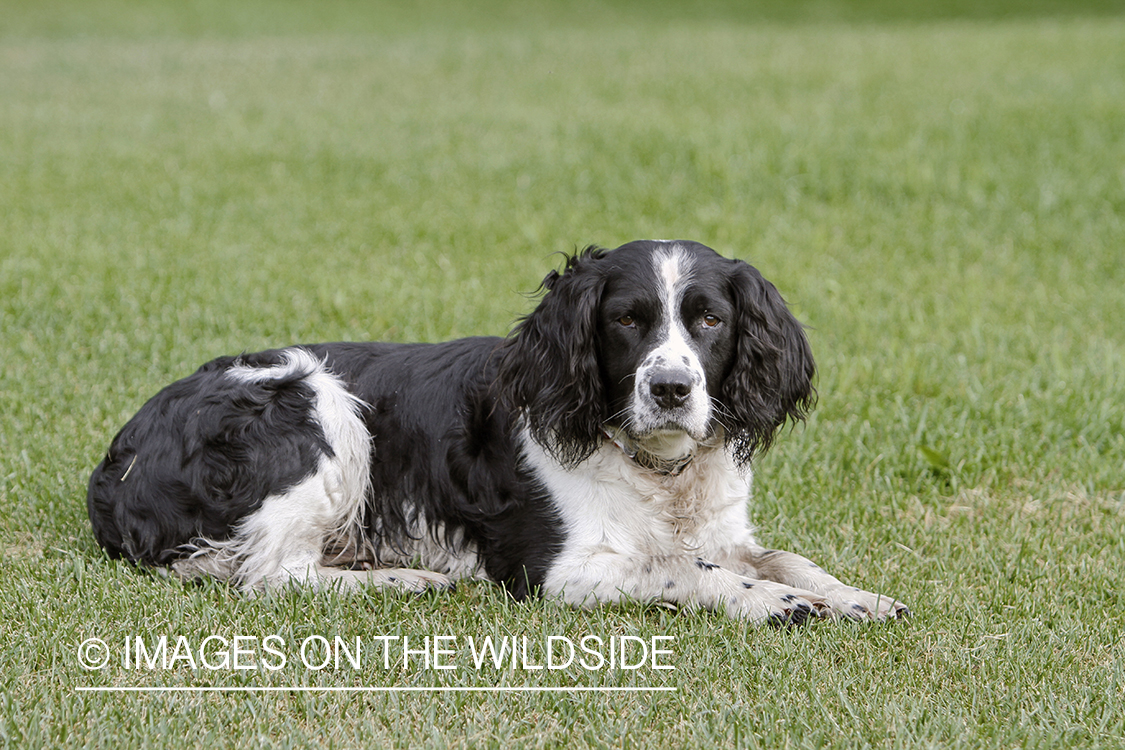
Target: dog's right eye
628, 321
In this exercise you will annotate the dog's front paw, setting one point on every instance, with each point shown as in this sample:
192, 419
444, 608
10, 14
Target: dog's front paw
856, 604
775, 604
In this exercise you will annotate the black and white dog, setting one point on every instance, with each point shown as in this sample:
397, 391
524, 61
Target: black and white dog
600, 452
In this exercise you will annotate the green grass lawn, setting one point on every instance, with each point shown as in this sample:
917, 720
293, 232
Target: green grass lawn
938, 189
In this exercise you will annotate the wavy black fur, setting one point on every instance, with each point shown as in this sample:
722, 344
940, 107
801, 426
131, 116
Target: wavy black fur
771, 379
550, 369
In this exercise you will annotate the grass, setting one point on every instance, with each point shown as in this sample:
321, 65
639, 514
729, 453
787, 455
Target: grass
937, 189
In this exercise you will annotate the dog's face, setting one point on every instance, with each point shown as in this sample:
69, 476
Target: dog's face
666, 341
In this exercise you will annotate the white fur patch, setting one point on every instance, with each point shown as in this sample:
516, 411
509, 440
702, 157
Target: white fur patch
611, 506
283, 540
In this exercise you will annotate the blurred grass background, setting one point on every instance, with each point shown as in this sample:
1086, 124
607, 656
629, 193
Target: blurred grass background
937, 188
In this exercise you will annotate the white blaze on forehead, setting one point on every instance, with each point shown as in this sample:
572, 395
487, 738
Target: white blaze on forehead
675, 272
673, 267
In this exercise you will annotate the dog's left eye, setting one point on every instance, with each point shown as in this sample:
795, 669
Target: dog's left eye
710, 321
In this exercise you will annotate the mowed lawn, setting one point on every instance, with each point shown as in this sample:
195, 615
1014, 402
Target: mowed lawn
937, 189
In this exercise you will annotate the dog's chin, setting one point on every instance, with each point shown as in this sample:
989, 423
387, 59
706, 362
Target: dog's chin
670, 440
669, 444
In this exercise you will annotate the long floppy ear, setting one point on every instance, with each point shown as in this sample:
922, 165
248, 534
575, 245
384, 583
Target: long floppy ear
549, 369
771, 379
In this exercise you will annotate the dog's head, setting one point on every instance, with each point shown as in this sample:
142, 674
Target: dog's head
665, 344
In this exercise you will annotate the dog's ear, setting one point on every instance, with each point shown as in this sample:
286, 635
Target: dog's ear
771, 380
549, 370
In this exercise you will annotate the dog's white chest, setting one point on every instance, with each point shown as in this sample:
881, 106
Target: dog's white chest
611, 504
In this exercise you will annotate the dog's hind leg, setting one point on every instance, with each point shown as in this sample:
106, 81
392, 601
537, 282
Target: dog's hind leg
278, 544
282, 544
404, 579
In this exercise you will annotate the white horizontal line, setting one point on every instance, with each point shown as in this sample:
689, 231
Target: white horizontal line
364, 689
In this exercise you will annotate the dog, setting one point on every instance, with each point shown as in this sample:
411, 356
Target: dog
601, 452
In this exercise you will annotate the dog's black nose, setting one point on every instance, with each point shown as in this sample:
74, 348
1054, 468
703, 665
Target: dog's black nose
670, 388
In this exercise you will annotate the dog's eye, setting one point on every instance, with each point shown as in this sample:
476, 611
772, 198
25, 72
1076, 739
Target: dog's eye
710, 321
628, 321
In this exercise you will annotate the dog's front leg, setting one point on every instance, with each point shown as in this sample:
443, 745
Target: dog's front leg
791, 569
587, 580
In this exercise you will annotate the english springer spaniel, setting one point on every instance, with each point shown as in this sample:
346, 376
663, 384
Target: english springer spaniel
600, 452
